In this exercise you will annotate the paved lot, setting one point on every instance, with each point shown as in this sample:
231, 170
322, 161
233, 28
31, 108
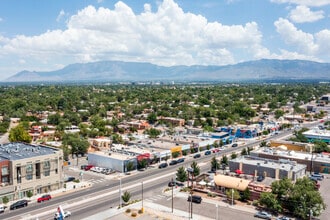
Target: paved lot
325, 189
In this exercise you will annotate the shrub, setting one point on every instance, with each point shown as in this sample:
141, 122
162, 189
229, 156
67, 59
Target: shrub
134, 214
128, 210
141, 211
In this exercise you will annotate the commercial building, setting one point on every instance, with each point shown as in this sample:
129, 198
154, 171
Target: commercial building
277, 169
317, 134
313, 162
26, 167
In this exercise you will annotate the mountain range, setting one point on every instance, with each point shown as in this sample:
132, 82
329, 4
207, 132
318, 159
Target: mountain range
119, 71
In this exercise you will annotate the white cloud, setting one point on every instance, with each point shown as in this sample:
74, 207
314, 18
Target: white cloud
60, 15
168, 36
304, 42
312, 3
303, 14
1, 19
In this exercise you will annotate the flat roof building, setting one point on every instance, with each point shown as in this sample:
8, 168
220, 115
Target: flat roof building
34, 168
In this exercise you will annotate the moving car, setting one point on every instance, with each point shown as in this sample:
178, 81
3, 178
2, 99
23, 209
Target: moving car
195, 199
180, 160
19, 204
197, 156
263, 214
44, 198
174, 183
208, 152
162, 165
216, 150
234, 145
65, 215
69, 179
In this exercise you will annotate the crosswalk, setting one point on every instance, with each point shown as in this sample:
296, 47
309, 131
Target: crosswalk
96, 181
156, 198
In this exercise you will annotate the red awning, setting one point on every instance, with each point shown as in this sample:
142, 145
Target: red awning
239, 171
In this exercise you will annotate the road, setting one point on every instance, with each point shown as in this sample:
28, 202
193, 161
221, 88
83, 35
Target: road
103, 196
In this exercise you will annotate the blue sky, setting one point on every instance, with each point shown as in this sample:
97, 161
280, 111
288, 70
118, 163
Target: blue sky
44, 35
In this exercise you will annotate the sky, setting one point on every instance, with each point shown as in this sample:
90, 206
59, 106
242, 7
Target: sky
46, 35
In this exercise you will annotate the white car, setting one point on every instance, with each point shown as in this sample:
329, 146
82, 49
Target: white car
66, 214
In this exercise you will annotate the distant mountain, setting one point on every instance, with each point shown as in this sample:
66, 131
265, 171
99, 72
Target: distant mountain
114, 71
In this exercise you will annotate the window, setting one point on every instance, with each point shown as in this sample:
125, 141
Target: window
4, 179
46, 168
4, 171
29, 171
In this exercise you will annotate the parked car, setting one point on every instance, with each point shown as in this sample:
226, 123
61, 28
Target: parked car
2, 208
234, 145
180, 160
173, 162
208, 152
174, 183
66, 214
19, 204
83, 167
283, 218
88, 167
197, 156
318, 176
70, 179
260, 178
162, 165
263, 214
216, 150
44, 198
195, 199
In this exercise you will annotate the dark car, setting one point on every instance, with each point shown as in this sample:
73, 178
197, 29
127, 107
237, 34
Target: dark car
207, 152
260, 178
70, 179
173, 162
195, 199
197, 156
162, 165
83, 167
264, 215
44, 198
174, 183
180, 160
19, 204
234, 145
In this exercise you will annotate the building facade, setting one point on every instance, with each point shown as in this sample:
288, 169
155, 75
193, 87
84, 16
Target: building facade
26, 167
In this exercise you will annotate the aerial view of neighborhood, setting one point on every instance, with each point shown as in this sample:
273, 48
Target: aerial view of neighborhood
164, 109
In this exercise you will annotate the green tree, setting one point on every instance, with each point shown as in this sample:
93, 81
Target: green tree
245, 195
5, 200
129, 166
232, 195
233, 156
244, 152
29, 194
77, 145
152, 118
142, 164
19, 134
181, 174
126, 197
270, 201
320, 146
196, 168
224, 160
215, 165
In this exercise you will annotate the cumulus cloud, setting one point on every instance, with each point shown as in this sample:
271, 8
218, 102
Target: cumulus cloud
311, 45
168, 36
303, 14
312, 3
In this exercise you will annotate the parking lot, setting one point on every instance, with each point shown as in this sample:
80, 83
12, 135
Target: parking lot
324, 190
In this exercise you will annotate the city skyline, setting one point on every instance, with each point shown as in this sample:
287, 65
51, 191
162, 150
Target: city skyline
48, 35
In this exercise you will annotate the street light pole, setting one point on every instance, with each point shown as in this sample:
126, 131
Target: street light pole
142, 196
120, 192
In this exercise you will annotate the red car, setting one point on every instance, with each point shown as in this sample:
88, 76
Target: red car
44, 198
215, 150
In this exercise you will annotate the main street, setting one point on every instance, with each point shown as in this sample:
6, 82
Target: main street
100, 197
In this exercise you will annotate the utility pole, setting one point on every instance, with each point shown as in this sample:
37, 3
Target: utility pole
172, 194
